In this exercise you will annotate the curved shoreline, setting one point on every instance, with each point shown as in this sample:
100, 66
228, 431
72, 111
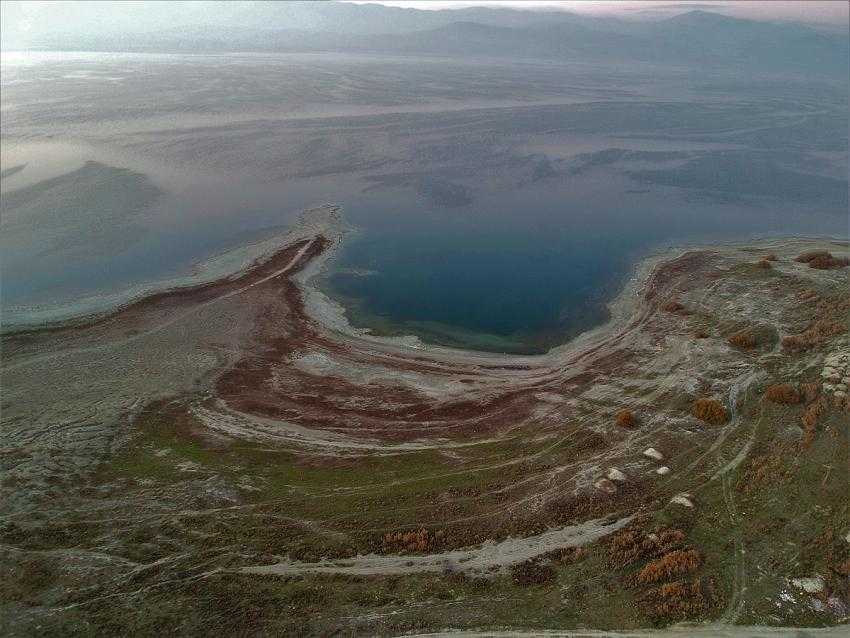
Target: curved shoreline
332, 314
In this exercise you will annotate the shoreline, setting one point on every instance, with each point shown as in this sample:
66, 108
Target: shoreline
332, 314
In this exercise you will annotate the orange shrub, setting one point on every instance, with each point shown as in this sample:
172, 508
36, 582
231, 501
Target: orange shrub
415, 541
680, 600
829, 262
810, 391
626, 419
822, 260
680, 561
673, 306
818, 331
743, 339
810, 418
782, 393
631, 545
710, 411
806, 257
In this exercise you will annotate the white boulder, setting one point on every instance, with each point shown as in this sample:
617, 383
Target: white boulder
653, 453
616, 475
813, 585
682, 500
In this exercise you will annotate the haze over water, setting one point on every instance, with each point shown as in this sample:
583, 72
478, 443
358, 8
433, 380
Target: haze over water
494, 203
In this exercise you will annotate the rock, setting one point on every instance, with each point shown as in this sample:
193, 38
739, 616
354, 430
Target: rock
837, 606
663, 470
653, 453
605, 485
841, 387
847, 537
839, 394
616, 475
812, 585
828, 387
682, 500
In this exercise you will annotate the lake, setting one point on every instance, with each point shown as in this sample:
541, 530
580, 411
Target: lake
476, 219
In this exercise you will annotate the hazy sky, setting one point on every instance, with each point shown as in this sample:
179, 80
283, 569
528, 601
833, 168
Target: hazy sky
834, 12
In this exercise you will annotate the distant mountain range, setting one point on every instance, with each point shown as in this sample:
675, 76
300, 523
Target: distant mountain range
692, 38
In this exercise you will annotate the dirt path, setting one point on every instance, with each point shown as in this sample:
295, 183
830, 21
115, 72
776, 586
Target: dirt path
485, 559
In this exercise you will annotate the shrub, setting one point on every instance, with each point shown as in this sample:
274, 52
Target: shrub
681, 599
674, 307
631, 545
810, 391
415, 541
822, 260
743, 339
677, 562
817, 332
764, 263
626, 419
770, 257
809, 420
532, 573
710, 411
806, 257
828, 262
782, 393
699, 333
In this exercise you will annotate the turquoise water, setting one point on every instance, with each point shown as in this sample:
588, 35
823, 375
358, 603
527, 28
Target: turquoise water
527, 270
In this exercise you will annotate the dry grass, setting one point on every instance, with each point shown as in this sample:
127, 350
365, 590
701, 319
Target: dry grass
744, 339
807, 295
710, 411
767, 469
829, 320
626, 419
782, 393
809, 420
